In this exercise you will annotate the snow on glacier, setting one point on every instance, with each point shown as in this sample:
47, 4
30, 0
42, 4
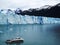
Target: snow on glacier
9, 17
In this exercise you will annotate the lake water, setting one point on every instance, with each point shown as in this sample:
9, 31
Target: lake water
32, 34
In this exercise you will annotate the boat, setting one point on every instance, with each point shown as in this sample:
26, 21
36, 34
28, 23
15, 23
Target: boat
16, 40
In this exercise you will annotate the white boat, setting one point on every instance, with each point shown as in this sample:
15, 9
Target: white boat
16, 40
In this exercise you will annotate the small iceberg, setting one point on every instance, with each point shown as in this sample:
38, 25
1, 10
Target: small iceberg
1, 32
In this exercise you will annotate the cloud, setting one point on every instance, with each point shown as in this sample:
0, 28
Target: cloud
24, 4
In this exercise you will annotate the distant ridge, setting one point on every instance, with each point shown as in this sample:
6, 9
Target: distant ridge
47, 11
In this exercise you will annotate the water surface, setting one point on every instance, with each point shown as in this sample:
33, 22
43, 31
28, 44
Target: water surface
32, 34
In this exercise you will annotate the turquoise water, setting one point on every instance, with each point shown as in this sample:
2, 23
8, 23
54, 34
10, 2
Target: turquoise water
32, 34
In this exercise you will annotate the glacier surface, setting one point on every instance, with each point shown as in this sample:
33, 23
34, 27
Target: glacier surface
9, 17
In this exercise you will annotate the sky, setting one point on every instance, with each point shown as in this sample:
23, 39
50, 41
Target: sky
26, 4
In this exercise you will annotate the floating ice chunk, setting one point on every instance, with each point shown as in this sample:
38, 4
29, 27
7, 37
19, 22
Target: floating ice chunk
1, 31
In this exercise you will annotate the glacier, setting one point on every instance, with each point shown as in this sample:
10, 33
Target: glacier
9, 17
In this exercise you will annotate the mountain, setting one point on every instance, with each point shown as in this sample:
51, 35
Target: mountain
47, 11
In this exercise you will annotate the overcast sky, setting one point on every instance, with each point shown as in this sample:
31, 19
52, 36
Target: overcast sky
25, 4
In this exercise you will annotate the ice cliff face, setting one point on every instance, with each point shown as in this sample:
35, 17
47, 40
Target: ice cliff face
9, 17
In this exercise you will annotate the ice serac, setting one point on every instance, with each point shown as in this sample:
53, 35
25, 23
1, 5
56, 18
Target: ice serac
3, 17
9, 17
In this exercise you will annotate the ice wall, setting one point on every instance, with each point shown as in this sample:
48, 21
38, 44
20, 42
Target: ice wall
9, 17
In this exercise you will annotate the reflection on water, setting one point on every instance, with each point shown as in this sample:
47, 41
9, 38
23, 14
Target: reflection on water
32, 34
